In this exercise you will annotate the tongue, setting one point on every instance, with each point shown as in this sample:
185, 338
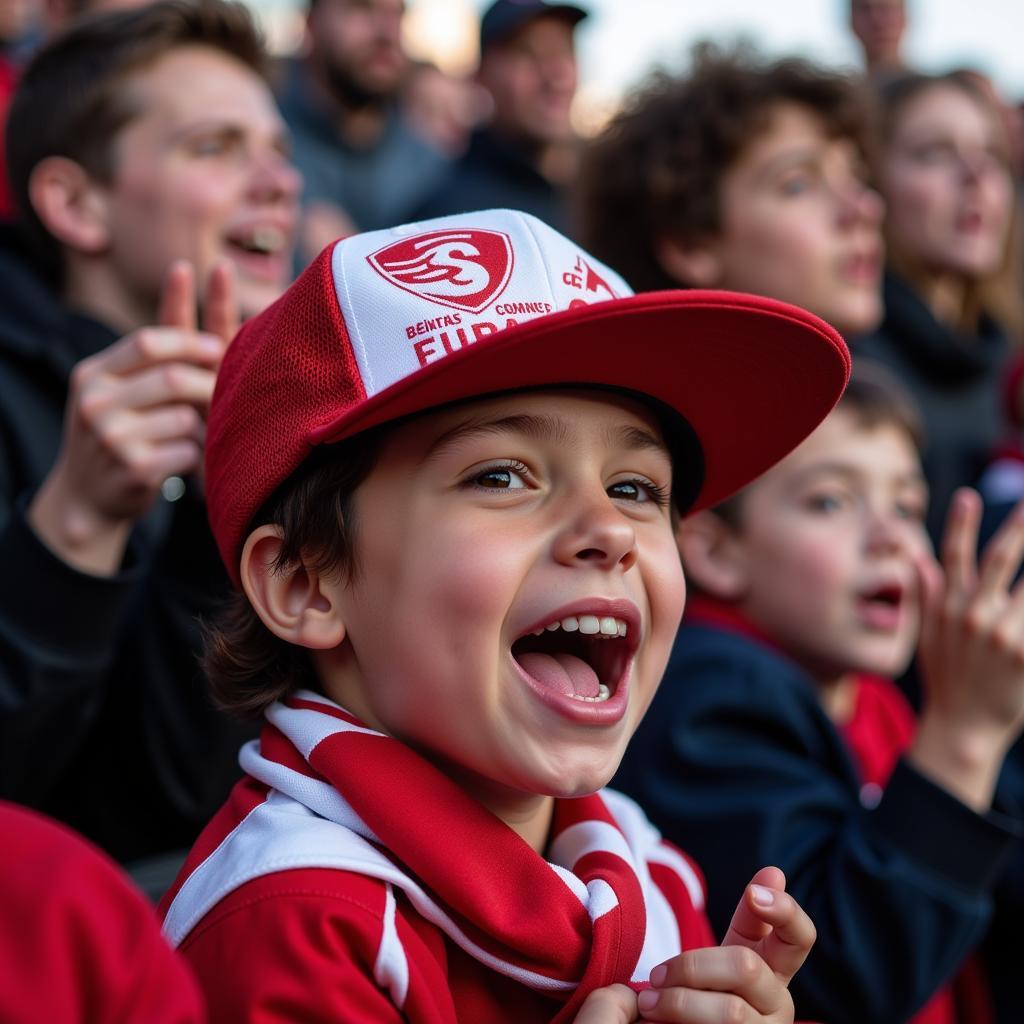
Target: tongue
565, 673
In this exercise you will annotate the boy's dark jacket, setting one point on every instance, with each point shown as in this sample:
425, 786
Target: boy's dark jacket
105, 721
737, 760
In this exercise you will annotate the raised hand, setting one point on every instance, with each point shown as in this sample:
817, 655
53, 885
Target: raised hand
135, 416
971, 654
747, 977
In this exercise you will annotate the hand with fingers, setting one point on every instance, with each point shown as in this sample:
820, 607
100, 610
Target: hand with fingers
747, 977
135, 415
971, 654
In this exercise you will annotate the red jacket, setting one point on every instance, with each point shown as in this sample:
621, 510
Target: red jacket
348, 879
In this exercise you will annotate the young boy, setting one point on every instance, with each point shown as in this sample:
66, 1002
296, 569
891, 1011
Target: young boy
444, 470
779, 736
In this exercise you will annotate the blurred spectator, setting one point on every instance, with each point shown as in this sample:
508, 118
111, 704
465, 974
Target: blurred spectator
58, 14
741, 175
363, 167
950, 292
879, 26
78, 944
528, 66
17, 19
136, 139
443, 109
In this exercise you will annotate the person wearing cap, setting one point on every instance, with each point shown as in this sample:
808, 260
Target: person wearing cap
521, 157
444, 472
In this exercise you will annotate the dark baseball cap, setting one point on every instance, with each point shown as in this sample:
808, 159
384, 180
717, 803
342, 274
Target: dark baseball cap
504, 17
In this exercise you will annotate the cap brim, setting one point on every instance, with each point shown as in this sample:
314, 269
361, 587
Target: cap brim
753, 377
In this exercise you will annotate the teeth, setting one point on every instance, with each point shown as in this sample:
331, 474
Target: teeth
591, 625
603, 693
266, 239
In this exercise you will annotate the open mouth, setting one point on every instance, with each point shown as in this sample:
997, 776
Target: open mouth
881, 607
583, 657
261, 240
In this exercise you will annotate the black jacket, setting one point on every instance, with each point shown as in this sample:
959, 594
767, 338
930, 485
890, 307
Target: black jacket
737, 762
956, 381
493, 174
105, 721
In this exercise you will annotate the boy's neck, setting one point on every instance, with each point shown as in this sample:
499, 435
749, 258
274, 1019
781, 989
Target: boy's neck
837, 691
528, 816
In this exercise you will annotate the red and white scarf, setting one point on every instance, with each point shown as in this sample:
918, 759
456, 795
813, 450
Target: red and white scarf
344, 796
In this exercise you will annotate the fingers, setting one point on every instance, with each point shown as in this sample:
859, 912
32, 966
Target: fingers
960, 541
1002, 556
615, 1004
712, 977
221, 316
170, 383
178, 297
151, 346
767, 919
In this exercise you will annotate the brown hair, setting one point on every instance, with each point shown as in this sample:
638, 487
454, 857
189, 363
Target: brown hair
874, 398
247, 666
997, 294
72, 99
655, 172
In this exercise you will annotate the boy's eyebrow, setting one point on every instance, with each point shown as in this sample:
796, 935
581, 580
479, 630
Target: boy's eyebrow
845, 469
542, 428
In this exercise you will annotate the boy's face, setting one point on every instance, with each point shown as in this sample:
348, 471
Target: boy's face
827, 539
799, 224
481, 526
201, 173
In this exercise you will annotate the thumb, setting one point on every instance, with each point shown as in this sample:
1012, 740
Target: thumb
615, 1004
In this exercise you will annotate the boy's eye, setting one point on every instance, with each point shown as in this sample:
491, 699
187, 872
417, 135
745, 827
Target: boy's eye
825, 503
501, 478
911, 511
639, 491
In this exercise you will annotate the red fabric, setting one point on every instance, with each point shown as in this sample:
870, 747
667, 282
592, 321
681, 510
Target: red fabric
8, 80
78, 944
308, 938
291, 379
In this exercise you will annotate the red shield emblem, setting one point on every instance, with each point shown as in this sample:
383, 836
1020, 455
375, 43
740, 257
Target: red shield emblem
464, 268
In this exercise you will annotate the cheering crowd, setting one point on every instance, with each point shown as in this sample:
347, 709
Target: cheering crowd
371, 422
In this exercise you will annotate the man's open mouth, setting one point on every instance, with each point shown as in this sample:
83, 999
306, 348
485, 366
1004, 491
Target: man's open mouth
580, 656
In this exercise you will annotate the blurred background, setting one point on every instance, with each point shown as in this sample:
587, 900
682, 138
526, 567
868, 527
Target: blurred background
625, 39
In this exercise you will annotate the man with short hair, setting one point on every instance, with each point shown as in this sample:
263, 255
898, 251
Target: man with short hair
879, 26
362, 165
528, 65
149, 163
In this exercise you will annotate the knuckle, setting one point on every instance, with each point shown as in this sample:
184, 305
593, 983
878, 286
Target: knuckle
975, 621
735, 1010
747, 963
147, 343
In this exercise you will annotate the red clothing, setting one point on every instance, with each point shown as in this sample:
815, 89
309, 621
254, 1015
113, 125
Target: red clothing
348, 879
78, 944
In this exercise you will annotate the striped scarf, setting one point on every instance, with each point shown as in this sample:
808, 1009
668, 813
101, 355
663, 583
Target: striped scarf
598, 911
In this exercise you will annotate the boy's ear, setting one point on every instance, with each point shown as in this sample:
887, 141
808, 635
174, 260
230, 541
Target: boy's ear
712, 553
697, 264
291, 602
69, 203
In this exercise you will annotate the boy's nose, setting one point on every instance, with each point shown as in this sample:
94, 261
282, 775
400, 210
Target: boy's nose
599, 536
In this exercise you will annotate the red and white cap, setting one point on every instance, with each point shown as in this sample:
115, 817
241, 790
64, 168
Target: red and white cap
394, 322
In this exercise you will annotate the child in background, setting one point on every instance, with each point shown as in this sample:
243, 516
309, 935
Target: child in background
777, 734
444, 470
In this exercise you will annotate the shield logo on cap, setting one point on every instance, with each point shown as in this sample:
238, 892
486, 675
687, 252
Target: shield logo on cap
467, 268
